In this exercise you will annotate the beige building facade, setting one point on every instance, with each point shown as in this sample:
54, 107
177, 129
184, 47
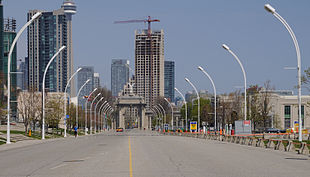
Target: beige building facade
285, 110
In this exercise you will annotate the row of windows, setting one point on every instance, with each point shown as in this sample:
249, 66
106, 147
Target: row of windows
287, 116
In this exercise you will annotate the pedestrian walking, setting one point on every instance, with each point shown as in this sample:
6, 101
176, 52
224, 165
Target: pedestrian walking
75, 131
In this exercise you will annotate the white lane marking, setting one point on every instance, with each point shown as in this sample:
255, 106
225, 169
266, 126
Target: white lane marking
87, 158
61, 165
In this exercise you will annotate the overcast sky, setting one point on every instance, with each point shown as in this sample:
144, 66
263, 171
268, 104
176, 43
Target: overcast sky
194, 32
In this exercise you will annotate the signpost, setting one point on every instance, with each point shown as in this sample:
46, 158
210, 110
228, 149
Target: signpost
193, 125
166, 127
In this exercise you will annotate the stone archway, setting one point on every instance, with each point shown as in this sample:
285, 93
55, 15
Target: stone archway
130, 112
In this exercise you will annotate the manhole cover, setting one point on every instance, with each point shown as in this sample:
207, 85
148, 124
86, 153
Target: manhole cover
296, 158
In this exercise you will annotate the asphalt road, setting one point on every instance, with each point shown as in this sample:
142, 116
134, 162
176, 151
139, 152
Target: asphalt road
143, 154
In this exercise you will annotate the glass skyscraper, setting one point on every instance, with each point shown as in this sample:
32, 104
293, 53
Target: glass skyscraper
119, 75
45, 36
86, 73
9, 35
169, 80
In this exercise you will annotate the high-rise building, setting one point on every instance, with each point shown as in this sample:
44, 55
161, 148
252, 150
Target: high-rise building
9, 34
22, 77
2, 81
96, 80
149, 65
119, 75
169, 80
45, 36
86, 73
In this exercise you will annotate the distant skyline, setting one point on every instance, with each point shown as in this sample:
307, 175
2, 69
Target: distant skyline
194, 32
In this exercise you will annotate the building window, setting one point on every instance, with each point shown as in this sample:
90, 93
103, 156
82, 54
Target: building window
302, 115
287, 117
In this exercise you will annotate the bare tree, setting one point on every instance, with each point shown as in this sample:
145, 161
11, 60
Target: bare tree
54, 110
264, 103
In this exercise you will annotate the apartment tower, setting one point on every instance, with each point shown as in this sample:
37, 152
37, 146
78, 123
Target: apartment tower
169, 80
119, 75
45, 36
86, 73
149, 65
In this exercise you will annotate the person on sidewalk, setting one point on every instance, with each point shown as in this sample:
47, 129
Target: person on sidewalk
75, 131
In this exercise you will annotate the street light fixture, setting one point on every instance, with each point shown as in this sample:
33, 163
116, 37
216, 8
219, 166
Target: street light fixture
86, 109
96, 113
91, 111
104, 111
171, 112
244, 76
65, 100
156, 116
77, 105
43, 89
164, 113
160, 115
214, 90
198, 99
100, 112
185, 106
34, 17
272, 10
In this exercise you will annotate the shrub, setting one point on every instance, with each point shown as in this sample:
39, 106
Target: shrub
266, 142
297, 144
285, 143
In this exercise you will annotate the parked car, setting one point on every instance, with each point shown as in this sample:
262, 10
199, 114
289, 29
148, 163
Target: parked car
119, 130
274, 130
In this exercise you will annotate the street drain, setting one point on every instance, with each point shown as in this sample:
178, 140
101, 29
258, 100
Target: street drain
296, 159
74, 161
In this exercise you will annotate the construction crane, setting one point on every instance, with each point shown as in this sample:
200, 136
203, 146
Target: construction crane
149, 20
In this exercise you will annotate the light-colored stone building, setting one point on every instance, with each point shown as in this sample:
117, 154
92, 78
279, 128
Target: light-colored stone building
285, 110
29, 104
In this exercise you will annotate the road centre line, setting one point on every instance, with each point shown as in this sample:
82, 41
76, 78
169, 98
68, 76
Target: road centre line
130, 157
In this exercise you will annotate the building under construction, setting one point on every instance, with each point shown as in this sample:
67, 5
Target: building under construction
149, 65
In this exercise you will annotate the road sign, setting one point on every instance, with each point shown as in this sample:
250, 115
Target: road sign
246, 122
166, 126
193, 125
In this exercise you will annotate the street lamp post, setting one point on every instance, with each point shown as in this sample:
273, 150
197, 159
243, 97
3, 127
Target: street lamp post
65, 100
161, 115
171, 112
164, 113
86, 109
155, 114
77, 105
270, 9
43, 90
100, 112
185, 106
91, 115
198, 99
244, 76
37, 15
103, 110
96, 113
214, 90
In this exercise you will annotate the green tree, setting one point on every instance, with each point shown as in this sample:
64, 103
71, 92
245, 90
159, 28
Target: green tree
54, 111
206, 111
